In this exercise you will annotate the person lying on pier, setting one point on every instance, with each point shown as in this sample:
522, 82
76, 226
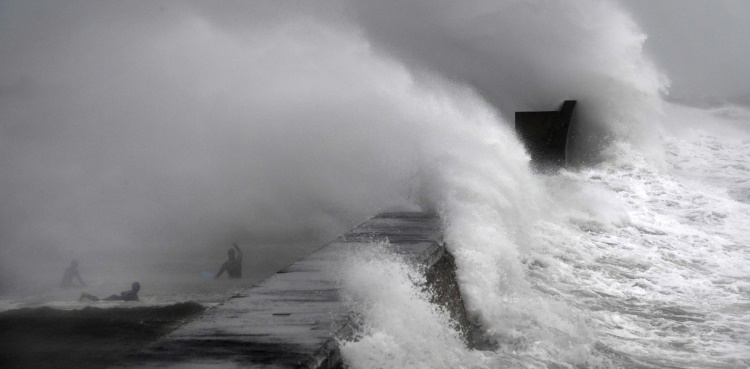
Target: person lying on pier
70, 273
233, 266
131, 295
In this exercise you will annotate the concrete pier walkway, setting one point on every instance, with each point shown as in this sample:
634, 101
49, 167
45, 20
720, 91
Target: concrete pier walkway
294, 318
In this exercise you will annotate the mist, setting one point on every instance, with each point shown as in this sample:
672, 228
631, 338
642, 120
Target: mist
138, 135
160, 130
135, 132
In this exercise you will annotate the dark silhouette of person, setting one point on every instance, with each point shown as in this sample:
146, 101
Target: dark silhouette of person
70, 273
131, 295
233, 266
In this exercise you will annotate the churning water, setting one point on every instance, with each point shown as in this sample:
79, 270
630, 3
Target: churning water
639, 260
632, 265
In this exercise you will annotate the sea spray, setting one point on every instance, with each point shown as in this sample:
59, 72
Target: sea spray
476, 174
490, 214
629, 267
397, 325
530, 55
195, 126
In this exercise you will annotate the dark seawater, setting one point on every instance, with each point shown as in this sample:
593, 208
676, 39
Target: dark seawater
87, 338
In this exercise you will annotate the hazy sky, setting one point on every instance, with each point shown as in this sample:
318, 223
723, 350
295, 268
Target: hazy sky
702, 45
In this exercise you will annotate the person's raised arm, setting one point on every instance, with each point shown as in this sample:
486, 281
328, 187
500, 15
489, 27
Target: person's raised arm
239, 252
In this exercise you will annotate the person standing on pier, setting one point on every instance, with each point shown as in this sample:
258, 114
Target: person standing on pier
70, 274
233, 266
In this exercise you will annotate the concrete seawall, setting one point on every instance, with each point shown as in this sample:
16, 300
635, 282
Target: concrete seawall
294, 318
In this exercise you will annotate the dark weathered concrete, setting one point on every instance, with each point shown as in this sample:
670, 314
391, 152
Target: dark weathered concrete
292, 319
545, 134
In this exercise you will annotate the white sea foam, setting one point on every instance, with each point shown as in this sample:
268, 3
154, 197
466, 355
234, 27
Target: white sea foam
632, 266
658, 288
630, 263
499, 214
398, 325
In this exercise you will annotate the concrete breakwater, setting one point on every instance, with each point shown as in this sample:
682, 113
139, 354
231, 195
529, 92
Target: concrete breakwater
294, 318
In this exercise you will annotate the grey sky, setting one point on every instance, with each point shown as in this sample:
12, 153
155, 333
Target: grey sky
703, 45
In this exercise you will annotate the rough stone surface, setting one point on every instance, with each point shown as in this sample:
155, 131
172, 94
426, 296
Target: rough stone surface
293, 318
